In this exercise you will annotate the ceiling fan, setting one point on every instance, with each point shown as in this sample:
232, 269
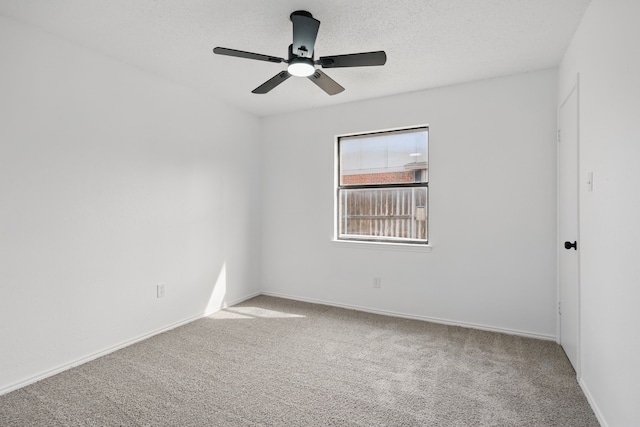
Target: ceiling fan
301, 61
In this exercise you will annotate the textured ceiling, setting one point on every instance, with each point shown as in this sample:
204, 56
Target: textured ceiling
429, 43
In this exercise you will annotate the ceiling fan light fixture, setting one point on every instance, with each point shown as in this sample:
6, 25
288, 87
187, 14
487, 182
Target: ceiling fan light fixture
301, 61
301, 67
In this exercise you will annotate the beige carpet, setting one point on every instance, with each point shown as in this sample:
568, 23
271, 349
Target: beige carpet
275, 362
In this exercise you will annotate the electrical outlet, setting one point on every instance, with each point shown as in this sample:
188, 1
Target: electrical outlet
160, 290
376, 282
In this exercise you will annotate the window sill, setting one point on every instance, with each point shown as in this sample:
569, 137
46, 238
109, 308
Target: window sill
382, 246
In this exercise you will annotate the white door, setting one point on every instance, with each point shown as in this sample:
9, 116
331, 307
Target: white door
569, 244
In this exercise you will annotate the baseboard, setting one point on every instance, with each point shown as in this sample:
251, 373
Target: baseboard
415, 317
111, 349
592, 403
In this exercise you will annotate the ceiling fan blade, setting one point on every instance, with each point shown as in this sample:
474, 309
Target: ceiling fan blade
247, 55
325, 83
305, 32
272, 82
365, 59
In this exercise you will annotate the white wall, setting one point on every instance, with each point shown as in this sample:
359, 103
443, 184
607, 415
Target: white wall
492, 206
605, 52
112, 181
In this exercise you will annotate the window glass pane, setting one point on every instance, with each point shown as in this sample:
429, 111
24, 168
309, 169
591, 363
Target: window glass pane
384, 158
383, 213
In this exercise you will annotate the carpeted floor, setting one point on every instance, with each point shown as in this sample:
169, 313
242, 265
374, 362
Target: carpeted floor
276, 362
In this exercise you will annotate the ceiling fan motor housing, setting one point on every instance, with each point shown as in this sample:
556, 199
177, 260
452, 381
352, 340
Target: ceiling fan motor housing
305, 31
293, 55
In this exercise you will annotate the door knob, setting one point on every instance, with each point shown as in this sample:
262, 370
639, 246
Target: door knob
569, 245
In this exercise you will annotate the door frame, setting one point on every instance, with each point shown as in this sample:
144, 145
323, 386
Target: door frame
574, 88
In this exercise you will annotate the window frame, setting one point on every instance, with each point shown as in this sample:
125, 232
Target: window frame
338, 187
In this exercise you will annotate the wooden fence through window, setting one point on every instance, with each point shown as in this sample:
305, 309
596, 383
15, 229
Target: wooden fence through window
384, 213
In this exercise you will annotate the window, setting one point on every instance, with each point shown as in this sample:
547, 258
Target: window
383, 182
